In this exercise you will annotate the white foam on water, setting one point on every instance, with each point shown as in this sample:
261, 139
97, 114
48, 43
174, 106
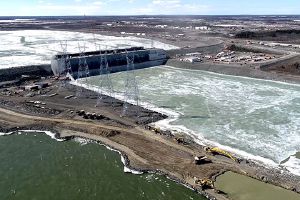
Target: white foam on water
83, 141
173, 116
40, 45
80, 140
127, 170
252, 118
165, 125
49, 133
3, 134
233, 76
293, 165
278, 100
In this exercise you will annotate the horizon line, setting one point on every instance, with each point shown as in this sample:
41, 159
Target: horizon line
149, 15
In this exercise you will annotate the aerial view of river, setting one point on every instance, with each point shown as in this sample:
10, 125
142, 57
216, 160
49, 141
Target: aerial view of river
253, 118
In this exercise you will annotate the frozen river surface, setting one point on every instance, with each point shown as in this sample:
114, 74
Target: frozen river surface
34, 47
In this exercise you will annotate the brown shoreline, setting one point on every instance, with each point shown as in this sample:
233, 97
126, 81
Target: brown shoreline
146, 150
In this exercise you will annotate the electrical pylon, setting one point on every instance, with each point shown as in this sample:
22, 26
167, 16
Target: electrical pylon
131, 95
64, 65
105, 89
83, 71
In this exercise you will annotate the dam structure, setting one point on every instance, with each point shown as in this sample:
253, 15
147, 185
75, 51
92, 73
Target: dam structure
116, 59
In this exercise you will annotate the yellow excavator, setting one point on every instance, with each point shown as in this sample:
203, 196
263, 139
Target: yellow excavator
216, 150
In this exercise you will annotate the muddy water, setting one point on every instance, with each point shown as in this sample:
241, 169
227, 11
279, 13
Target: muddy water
240, 187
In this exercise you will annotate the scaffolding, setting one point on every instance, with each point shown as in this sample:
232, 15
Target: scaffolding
131, 95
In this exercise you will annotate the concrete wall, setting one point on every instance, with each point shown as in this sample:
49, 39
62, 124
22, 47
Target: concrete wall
116, 62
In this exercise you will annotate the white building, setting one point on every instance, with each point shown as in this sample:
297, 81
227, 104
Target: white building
202, 28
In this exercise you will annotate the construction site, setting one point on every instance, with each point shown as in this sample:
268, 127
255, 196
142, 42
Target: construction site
53, 103
62, 99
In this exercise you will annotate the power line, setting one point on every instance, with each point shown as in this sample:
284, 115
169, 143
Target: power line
131, 95
83, 71
105, 89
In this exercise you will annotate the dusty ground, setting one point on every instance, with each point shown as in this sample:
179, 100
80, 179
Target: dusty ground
145, 149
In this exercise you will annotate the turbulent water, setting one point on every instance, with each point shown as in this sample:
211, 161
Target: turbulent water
33, 47
255, 118
33, 166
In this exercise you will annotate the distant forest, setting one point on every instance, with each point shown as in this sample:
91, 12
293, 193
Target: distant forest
279, 35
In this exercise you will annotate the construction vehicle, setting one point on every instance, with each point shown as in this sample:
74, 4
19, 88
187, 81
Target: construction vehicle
204, 183
218, 151
200, 160
180, 140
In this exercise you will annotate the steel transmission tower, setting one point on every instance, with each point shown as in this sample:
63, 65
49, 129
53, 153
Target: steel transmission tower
105, 83
66, 59
65, 70
83, 71
131, 86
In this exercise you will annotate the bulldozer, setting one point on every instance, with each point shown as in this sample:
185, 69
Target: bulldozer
216, 150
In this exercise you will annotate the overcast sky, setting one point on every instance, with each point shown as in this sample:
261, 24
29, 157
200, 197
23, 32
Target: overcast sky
147, 7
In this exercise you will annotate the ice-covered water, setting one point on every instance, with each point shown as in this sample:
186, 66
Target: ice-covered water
38, 46
254, 118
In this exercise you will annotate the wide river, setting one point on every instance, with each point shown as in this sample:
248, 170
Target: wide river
254, 118
34, 166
